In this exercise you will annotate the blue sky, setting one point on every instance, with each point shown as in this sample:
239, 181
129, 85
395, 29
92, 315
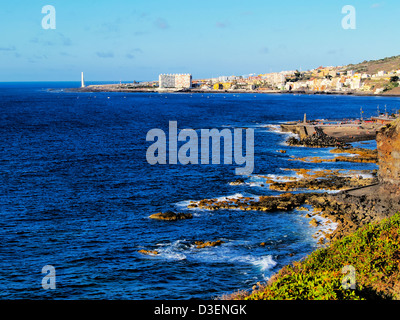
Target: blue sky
137, 40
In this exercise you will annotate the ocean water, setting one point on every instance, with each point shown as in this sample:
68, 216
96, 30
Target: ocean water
77, 191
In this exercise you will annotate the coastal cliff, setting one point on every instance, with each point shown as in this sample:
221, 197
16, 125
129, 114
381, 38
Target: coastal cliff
370, 204
367, 239
388, 143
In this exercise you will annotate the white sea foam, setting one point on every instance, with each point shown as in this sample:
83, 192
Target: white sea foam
173, 255
277, 129
172, 251
185, 250
273, 128
350, 155
363, 175
355, 174
235, 196
282, 178
258, 180
185, 203
182, 204
324, 224
264, 263
330, 191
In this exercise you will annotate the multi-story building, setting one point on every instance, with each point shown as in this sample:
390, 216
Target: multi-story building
275, 79
166, 81
355, 82
183, 81
175, 80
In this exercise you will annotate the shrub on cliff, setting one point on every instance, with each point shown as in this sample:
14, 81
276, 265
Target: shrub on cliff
373, 251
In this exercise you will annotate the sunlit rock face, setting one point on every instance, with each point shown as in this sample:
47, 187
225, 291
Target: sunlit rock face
388, 143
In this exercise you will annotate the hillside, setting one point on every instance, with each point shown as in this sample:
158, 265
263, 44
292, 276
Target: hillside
374, 253
373, 66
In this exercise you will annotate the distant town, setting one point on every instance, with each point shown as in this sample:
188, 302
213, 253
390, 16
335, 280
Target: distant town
320, 79
339, 79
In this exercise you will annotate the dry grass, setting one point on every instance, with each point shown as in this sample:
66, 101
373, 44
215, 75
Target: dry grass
374, 66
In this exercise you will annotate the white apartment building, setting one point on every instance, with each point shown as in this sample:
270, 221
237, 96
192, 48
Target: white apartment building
183, 81
175, 80
166, 81
276, 79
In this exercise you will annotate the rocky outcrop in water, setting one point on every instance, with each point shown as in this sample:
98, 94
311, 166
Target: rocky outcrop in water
284, 202
149, 252
359, 155
171, 216
237, 182
330, 183
317, 140
201, 244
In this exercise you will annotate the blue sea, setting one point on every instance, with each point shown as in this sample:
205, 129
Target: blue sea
77, 191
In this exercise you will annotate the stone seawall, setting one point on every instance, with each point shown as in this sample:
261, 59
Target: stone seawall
342, 132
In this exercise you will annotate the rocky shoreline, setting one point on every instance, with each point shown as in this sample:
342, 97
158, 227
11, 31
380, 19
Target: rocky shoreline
359, 198
356, 155
318, 140
363, 216
121, 88
348, 210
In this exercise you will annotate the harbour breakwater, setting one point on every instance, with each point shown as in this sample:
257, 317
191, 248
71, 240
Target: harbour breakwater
330, 134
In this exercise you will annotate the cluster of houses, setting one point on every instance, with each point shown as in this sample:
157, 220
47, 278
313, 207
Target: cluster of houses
328, 79
251, 82
322, 79
332, 80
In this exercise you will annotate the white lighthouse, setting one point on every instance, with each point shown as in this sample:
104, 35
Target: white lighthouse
82, 81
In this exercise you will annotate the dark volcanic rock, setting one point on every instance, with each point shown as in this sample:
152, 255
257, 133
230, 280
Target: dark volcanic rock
237, 182
318, 140
171, 216
201, 244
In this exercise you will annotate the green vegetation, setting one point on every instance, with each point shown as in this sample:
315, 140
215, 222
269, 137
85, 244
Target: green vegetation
298, 76
374, 252
394, 83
